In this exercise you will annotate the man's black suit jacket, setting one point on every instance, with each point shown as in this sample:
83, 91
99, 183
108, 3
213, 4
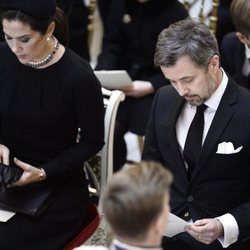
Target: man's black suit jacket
221, 182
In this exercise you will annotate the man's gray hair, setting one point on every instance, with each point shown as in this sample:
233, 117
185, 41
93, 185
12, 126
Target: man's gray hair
186, 38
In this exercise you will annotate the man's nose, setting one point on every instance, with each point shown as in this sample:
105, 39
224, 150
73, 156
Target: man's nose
182, 90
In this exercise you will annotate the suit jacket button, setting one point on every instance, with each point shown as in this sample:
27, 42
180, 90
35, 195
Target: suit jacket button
190, 198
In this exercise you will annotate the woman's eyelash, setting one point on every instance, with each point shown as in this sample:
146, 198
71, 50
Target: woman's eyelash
25, 40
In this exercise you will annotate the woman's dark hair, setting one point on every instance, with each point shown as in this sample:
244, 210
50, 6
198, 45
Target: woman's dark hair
41, 24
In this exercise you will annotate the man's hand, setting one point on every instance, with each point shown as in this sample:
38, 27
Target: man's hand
206, 230
138, 89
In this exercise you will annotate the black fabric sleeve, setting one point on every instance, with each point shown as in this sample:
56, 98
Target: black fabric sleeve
89, 111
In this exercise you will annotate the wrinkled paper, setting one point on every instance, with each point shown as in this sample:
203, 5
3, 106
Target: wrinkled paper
175, 225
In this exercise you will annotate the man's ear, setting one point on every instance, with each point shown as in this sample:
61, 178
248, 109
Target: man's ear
243, 39
214, 63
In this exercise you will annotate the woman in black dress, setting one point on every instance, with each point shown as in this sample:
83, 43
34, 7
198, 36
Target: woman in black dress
47, 92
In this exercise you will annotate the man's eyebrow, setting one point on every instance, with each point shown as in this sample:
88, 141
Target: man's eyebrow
183, 78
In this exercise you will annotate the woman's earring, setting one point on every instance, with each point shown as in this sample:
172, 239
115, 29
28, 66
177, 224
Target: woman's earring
48, 38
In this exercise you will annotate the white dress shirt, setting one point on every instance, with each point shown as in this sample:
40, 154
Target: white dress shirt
230, 226
246, 65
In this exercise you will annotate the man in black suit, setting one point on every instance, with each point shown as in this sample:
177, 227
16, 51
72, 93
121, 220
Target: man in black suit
235, 47
211, 186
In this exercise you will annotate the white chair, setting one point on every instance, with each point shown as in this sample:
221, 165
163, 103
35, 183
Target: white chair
112, 99
96, 217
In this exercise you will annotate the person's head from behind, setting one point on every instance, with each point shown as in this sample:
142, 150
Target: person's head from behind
240, 13
188, 55
136, 203
28, 27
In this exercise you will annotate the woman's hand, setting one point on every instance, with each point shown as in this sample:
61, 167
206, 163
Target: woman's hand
30, 174
4, 154
138, 89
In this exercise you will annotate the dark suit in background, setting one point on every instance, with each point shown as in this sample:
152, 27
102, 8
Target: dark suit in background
224, 22
77, 15
1, 33
104, 8
233, 58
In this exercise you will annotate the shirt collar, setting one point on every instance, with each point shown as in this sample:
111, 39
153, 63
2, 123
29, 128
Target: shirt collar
247, 51
116, 244
214, 101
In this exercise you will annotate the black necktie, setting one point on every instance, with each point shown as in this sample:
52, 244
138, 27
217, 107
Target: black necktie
193, 142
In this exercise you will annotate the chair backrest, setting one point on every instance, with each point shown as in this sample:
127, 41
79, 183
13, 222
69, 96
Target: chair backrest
92, 222
112, 99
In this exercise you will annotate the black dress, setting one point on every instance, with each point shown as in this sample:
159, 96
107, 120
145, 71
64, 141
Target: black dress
40, 113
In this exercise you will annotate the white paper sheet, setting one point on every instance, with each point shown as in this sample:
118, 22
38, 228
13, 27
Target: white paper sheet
113, 79
5, 215
175, 225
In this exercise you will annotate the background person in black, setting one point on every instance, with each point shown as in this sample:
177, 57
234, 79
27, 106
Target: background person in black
129, 44
235, 47
104, 8
224, 22
77, 16
43, 102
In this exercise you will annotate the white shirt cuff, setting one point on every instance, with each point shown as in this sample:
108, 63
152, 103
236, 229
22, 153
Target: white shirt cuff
231, 230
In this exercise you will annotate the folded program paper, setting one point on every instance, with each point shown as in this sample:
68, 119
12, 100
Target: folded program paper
175, 225
113, 79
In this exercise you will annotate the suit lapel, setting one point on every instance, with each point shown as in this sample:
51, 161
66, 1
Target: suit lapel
221, 119
171, 135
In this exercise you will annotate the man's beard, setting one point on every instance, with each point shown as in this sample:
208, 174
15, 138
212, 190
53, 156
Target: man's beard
197, 101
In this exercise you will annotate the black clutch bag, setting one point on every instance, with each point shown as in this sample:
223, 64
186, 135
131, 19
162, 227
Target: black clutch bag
8, 175
30, 200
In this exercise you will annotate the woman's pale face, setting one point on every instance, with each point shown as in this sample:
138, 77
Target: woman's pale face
27, 44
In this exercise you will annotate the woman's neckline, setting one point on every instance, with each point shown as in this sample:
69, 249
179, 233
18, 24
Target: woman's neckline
57, 60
